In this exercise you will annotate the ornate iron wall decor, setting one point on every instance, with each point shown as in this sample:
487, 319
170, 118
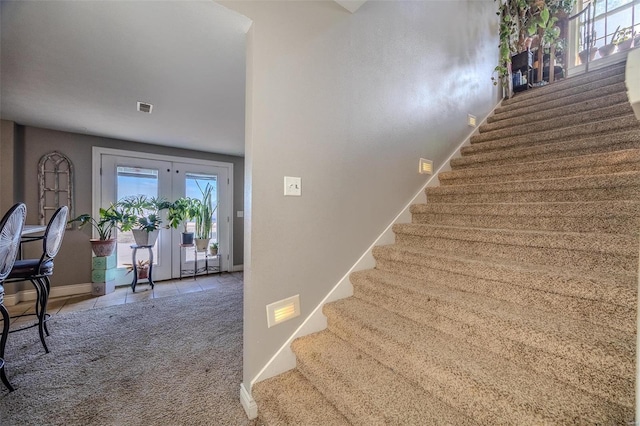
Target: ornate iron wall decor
55, 184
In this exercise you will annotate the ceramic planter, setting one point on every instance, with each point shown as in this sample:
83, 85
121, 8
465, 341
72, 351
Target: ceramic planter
202, 244
103, 248
144, 238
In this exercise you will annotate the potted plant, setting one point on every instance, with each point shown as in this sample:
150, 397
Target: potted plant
141, 215
520, 21
142, 266
204, 218
180, 212
589, 50
213, 249
623, 38
108, 219
608, 49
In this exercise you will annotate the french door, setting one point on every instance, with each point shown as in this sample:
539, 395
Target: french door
123, 173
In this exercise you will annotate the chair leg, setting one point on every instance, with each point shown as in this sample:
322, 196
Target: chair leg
43, 296
3, 343
46, 303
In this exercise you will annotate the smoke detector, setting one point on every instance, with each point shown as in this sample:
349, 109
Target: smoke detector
145, 107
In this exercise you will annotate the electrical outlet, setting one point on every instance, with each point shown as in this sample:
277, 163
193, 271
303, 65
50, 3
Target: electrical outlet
471, 120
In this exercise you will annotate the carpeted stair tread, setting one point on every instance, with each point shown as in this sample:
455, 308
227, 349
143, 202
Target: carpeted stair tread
551, 332
290, 399
601, 128
590, 164
615, 186
561, 122
628, 139
617, 89
546, 117
584, 309
617, 217
553, 344
489, 142
569, 86
604, 253
365, 391
620, 290
485, 387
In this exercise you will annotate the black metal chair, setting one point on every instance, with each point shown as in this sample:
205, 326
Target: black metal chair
39, 270
10, 232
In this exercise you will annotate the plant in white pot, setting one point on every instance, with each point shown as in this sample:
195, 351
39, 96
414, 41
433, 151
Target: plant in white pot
213, 249
107, 221
181, 211
204, 218
141, 215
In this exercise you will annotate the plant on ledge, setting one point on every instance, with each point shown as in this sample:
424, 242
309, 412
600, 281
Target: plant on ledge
108, 221
520, 22
141, 215
204, 218
180, 212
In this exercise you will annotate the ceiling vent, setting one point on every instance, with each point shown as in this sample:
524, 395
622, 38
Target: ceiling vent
145, 107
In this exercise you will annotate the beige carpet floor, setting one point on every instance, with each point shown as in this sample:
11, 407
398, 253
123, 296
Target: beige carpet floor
171, 361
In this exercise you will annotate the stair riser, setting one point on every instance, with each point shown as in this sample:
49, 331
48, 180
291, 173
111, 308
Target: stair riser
569, 118
602, 314
587, 165
571, 87
484, 405
482, 397
550, 151
327, 386
518, 347
583, 130
596, 223
568, 195
598, 262
543, 115
291, 399
601, 348
356, 394
539, 174
616, 290
617, 91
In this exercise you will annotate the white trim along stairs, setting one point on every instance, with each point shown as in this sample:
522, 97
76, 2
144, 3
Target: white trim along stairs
510, 298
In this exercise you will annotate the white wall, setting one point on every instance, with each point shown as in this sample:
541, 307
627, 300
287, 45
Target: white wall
348, 102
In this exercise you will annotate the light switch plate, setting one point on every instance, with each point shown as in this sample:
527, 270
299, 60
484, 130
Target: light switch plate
292, 186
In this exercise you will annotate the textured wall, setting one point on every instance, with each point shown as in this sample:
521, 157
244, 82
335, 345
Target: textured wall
348, 102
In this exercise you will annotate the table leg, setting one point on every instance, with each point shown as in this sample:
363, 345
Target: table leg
135, 270
150, 277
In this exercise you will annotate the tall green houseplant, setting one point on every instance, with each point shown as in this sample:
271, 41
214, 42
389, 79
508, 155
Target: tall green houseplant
204, 218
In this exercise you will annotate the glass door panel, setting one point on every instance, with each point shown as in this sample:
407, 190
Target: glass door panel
128, 176
190, 180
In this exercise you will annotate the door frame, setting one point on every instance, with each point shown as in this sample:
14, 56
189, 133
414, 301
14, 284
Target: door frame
96, 172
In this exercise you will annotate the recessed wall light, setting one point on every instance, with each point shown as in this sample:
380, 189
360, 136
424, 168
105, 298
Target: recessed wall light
145, 107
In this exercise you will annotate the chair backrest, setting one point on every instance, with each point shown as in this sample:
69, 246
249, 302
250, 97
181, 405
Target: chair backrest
54, 233
10, 233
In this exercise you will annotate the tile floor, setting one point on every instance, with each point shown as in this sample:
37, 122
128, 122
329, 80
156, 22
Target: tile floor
122, 295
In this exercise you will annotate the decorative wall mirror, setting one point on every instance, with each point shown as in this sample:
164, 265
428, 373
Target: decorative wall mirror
55, 184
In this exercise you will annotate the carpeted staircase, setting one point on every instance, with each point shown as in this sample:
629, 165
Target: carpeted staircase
511, 298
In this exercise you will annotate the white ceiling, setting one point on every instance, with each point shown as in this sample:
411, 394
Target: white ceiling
81, 66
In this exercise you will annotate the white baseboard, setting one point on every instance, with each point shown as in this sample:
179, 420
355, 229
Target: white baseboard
237, 268
248, 403
284, 359
60, 291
